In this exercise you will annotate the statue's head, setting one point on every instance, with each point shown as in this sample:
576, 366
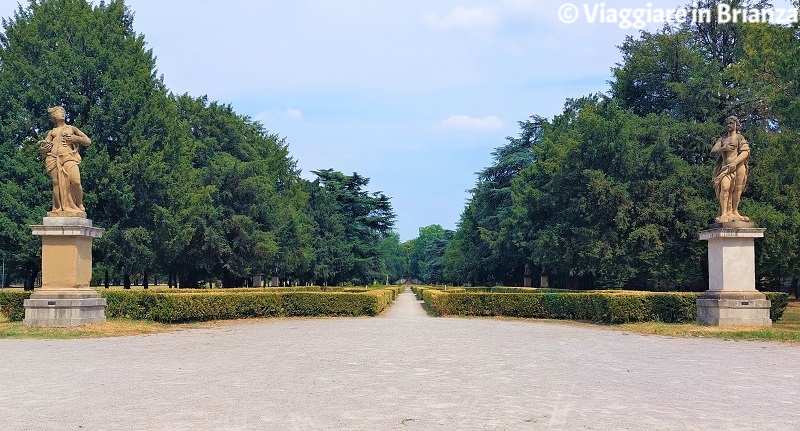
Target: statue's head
57, 112
732, 123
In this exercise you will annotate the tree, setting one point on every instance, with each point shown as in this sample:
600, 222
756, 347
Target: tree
485, 234
426, 253
91, 62
395, 260
183, 186
350, 224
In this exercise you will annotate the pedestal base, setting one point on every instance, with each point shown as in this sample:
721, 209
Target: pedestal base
64, 308
730, 308
732, 298
65, 298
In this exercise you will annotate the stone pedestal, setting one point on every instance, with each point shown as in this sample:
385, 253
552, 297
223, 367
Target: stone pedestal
275, 281
65, 298
732, 298
257, 280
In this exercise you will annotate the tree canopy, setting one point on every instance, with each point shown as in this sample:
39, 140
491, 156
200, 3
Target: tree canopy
612, 191
185, 187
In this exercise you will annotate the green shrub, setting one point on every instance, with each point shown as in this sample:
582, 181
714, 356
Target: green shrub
674, 307
368, 303
12, 304
779, 302
130, 304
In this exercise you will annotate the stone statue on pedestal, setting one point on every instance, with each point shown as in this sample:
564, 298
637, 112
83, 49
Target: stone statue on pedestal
60, 149
732, 298
65, 298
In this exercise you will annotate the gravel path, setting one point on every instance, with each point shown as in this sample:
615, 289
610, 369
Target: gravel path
401, 371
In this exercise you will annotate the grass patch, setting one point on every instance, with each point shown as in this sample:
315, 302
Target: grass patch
786, 329
111, 328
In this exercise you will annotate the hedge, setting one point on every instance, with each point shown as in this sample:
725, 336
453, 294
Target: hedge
186, 306
11, 304
597, 306
173, 308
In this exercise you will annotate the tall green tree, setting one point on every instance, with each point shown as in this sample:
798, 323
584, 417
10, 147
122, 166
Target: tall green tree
485, 234
350, 225
90, 61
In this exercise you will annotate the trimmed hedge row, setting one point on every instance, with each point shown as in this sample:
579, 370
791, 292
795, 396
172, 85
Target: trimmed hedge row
176, 306
605, 307
496, 289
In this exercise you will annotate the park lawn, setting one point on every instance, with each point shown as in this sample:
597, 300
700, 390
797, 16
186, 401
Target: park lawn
786, 329
111, 328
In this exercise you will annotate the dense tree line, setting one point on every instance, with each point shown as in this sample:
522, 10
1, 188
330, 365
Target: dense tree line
186, 188
612, 191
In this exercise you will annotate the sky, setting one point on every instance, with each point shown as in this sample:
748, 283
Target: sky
413, 94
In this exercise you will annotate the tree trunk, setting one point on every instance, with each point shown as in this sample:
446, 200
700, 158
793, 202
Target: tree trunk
30, 280
127, 281
185, 280
170, 277
105, 278
144, 281
796, 287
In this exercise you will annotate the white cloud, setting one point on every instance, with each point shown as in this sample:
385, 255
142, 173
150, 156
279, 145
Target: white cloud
461, 17
464, 122
293, 114
274, 115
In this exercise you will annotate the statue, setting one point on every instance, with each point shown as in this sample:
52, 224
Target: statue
730, 171
60, 149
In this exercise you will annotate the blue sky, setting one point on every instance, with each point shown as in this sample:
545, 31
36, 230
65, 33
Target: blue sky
412, 94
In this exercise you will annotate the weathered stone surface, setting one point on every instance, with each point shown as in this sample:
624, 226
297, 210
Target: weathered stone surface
724, 308
61, 160
59, 312
732, 298
730, 171
65, 298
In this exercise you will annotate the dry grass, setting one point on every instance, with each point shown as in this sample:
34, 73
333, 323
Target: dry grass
787, 329
111, 328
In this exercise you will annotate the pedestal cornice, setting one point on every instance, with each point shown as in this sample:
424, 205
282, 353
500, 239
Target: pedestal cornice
67, 226
731, 232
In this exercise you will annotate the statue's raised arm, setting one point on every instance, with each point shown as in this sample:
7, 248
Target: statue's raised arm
61, 160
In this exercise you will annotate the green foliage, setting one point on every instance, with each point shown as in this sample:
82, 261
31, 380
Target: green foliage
12, 304
612, 192
427, 253
482, 250
184, 186
352, 225
779, 303
207, 305
604, 307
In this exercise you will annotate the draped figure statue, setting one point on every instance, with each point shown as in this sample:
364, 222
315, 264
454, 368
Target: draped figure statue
730, 171
60, 149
